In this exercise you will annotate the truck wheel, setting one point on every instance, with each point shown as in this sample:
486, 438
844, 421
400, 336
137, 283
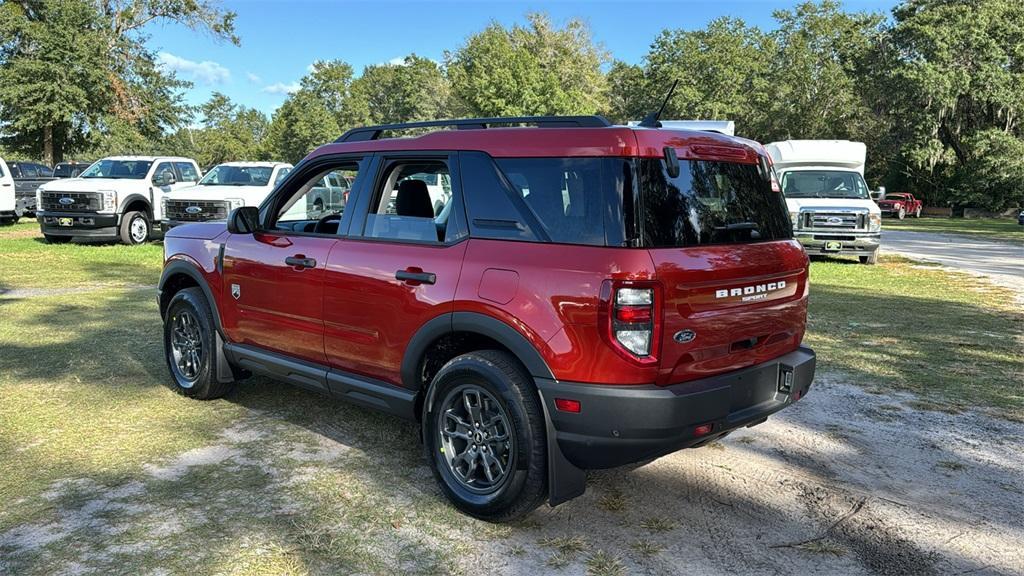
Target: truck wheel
134, 228
917, 213
484, 434
51, 239
870, 260
902, 213
190, 346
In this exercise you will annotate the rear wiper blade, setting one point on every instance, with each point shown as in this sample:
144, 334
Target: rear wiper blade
738, 226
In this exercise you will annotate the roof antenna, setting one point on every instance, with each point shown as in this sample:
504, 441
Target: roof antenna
651, 120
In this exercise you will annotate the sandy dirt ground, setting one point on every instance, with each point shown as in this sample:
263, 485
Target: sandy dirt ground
845, 482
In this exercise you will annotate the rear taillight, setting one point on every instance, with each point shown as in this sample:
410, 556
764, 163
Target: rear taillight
631, 316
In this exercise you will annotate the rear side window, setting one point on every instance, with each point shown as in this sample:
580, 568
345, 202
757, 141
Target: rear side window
708, 203
565, 194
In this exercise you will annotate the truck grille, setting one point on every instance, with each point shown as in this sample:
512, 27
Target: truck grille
79, 202
845, 221
201, 210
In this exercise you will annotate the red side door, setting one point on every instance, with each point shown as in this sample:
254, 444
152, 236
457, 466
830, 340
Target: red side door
274, 288
397, 269
274, 279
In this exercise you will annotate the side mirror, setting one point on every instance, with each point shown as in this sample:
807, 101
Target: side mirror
244, 220
165, 178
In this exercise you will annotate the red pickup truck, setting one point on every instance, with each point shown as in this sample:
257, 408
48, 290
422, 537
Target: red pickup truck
899, 205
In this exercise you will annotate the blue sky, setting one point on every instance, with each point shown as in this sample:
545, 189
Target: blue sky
281, 38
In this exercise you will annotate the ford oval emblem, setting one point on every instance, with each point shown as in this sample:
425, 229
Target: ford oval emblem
684, 336
193, 209
834, 220
66, 201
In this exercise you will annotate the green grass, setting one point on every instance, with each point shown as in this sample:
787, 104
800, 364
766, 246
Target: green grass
27, 261
952, 339
1005, 229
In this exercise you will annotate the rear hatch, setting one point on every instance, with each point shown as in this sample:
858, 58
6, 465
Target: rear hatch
734, 282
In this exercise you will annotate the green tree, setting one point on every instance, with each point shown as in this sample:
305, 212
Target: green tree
301, 124
722, 73
70, 69
330, 82
414, 90
229, 132
629, 95
953, 83
537, 69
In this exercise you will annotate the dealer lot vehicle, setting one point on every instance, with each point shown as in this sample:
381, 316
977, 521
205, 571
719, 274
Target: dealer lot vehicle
25, 177
828, 200
8, 201
589, 296
899, 205
70, 169
225, 187
117, 198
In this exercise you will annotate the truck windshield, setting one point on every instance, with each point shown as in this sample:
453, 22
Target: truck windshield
709, 202
237, 176
130, 169
824, 184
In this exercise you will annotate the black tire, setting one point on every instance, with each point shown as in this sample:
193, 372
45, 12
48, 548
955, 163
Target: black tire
51, 239
870, 260
503, 381
203, 383
131, 228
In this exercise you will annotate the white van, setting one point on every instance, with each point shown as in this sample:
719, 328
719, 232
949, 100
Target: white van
828, 200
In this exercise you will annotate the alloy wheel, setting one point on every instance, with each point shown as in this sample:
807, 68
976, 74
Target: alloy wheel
476, 439
187, 347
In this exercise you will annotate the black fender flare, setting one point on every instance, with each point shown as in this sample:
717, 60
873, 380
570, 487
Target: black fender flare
470, 322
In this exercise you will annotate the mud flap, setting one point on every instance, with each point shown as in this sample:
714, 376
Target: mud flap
565, 480
225, 373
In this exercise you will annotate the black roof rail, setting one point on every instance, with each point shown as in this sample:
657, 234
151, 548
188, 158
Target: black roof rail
365, 133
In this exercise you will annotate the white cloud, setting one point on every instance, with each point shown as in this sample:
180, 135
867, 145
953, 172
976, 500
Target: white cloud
281, 88
399, 61
205, 72
253, 78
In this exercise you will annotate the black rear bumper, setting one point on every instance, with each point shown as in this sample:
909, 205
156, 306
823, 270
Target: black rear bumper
619, 425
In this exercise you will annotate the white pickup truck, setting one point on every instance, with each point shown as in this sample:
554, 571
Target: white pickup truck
115, 198
224, 188
828, 200
7, 198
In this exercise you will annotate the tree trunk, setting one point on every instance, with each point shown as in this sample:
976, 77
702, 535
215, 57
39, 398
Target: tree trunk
48, 145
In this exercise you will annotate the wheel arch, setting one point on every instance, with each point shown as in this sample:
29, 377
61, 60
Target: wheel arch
181, 274
136, 202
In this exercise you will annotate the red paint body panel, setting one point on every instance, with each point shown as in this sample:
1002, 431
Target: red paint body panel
369, 316
281, 307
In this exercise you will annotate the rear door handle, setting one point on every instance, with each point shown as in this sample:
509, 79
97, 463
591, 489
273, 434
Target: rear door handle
300, 261
416, 277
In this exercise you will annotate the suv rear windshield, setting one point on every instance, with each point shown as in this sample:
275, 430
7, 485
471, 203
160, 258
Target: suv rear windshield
709, 202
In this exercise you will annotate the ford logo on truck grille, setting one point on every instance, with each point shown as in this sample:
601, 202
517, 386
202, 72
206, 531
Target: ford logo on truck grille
834, 221
193, 209
66, 201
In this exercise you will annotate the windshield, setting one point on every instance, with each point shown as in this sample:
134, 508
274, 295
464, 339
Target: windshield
824, 184
224, 175
131, 169
895, 198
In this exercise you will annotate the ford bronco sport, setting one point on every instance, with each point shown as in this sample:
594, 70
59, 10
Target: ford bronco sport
589, 296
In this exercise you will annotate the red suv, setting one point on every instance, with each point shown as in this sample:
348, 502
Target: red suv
544, 295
